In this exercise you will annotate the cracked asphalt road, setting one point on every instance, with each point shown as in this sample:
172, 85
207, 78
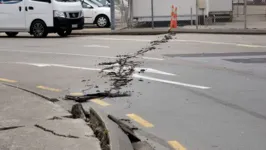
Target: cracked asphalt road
189, 95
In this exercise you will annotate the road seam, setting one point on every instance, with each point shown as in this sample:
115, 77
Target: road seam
140, 120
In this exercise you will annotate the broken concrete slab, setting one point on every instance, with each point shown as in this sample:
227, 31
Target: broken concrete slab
30, 122
74, 127
30, 138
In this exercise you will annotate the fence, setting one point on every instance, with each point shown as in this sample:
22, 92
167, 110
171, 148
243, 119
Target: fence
254, 18
121, 14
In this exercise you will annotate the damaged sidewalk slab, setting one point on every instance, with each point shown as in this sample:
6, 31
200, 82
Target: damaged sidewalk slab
29, 122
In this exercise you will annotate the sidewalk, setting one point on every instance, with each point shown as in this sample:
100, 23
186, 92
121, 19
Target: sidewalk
211, 29
28, 122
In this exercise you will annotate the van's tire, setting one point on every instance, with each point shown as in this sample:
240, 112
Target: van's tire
64, 33
11, 34
39, 29
102, 21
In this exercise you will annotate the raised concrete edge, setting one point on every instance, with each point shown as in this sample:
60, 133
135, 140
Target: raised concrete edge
164, 31
29, 90
118, 140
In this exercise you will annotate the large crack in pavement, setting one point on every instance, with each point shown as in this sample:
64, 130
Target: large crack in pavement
120, 73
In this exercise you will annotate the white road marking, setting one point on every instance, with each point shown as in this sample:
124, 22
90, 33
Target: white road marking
69, 54
97, 46
118, 39
251, 46
149, 70
59, 65
220, 43
171, 82
134, 75
58, 53
152, 58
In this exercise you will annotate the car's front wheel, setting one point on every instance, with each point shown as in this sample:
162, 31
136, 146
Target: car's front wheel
11, 34
64, 33
102, 21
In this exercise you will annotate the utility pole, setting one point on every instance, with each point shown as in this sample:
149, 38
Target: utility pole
245, 13
112, 7
197, 14
152, 15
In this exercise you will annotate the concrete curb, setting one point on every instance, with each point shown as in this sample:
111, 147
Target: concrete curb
164, 31
118, 140
21, 87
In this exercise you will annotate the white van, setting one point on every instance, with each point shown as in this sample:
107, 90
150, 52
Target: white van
99, 14
40, 17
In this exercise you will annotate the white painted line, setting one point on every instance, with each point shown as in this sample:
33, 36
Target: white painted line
118, 39
171, 82
96, 46
205, 42
251, 46
152, 58
71, 54
221, 43
59, 65
58, 53
150, 70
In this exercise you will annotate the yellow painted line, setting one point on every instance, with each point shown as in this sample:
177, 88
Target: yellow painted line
176, 145
48, 88
7, 80
76, 94
140, 120
100, 102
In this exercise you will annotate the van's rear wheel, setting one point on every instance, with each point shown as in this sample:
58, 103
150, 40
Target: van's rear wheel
11, 34
39, 29
64, 33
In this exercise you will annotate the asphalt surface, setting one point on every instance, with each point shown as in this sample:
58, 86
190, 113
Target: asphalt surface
200, 92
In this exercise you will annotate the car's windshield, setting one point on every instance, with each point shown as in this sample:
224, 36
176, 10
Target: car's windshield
95, 2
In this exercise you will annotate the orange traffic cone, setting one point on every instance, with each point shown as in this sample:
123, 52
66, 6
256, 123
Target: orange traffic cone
173, 22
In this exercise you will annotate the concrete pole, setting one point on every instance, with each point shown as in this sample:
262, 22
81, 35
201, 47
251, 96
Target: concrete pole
131, 13
112, 7
237, 8
191, 16
152, 15
245, 13
197, 14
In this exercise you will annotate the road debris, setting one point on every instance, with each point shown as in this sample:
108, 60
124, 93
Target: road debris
77, 111
55, 118
104, 94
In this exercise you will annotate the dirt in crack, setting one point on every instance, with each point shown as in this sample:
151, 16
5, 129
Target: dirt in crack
120, 71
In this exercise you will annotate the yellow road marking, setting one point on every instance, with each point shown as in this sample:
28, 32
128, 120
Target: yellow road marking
48, 88
176, 145
7, 80
140, 120
100, 102
76, 94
